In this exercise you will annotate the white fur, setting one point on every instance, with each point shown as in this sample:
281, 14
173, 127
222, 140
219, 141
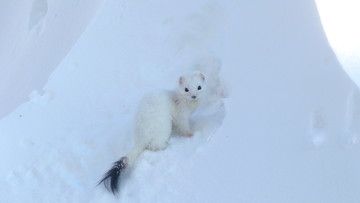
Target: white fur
161, 111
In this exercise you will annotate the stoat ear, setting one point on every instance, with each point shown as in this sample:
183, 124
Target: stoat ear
202, 76
181, 80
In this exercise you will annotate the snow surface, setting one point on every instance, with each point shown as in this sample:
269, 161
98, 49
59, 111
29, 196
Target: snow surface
340, 19
34, 38
290, 132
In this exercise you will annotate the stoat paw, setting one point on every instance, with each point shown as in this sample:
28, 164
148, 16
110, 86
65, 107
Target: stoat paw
188, 134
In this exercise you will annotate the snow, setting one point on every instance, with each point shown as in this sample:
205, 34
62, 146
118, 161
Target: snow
339, 19
288, 131
34, 39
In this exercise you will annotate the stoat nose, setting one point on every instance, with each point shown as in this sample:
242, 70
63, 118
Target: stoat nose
193, 97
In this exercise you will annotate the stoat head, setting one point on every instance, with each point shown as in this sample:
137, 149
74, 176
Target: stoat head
192, 86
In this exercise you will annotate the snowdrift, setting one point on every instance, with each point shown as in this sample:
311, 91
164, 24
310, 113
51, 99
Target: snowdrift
290, 132
35, 36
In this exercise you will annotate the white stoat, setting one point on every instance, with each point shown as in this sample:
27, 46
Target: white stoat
158, 113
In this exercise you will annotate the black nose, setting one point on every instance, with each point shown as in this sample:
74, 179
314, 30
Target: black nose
194, 97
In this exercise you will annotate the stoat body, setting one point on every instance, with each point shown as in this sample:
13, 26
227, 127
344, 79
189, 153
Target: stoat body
157, 115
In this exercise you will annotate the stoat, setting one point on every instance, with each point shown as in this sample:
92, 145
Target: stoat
158, 114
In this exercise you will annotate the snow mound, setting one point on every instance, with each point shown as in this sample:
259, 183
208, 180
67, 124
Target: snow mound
290, 132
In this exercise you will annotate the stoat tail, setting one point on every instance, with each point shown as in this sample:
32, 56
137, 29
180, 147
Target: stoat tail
111, 178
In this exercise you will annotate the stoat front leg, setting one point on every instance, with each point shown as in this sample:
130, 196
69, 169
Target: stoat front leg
183, 125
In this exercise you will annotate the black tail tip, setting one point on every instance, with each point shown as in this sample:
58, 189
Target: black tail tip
111, 178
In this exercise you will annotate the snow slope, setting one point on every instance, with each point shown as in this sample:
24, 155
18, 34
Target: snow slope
290, 133
340, 19
34, 38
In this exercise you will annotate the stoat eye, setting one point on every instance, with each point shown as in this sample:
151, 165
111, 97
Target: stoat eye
186, 90
199, 87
